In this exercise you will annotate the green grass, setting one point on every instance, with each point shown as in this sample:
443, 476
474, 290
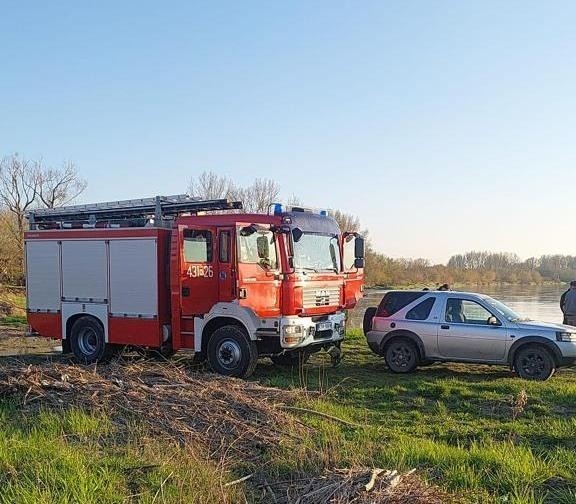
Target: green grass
453, 422
17, 303
13, 320
74, 457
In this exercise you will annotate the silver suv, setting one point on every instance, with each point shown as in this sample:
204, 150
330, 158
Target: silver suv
411, 328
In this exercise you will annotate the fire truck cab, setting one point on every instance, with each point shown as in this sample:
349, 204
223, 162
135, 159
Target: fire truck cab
168, 273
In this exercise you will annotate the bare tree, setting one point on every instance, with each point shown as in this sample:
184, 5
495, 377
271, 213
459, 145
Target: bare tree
27, 184
10, 252
58, 187
18, 193
294, 201
347, 222
255, 198
208, 185
258, 197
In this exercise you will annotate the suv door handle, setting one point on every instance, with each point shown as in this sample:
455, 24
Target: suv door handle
444, 326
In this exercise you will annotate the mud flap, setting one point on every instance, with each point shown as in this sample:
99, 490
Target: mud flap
335, 354
66, 346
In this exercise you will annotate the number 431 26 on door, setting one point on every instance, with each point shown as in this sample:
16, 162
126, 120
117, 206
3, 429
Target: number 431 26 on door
200, 270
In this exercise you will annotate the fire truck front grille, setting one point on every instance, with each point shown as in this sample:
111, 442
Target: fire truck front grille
313, 297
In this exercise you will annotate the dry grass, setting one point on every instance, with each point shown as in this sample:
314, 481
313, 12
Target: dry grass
357, 486
233, 420
235, 424
12, 301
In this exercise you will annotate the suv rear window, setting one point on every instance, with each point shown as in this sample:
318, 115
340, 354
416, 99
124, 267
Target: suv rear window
395, 301
422, 310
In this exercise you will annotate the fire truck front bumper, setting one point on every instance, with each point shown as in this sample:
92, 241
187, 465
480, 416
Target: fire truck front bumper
298, 332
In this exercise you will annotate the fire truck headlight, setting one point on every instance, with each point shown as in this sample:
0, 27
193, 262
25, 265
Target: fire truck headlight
292, 335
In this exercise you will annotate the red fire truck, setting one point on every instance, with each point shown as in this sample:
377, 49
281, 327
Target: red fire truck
171, 273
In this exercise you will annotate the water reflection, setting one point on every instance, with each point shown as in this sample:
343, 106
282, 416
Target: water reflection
538, 302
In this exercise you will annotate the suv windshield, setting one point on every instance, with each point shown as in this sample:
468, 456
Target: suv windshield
503, 310
316, 252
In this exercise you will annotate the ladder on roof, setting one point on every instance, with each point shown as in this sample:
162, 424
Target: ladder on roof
125, 213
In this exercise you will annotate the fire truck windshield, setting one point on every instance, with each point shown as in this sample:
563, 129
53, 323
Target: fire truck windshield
317, 252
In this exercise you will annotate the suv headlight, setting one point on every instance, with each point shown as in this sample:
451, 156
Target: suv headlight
566, 336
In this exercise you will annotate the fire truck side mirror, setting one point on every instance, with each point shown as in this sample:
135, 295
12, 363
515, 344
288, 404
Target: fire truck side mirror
359, 249
359, 262
297, 233
248, 230
263, 247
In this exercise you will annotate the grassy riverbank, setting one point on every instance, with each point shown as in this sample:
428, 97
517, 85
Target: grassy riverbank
476, 431
74, 456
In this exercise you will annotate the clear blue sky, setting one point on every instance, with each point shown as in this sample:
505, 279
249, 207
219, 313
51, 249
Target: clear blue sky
444, 125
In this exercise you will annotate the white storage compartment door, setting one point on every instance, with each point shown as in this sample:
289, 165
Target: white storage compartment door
133, 278
43, 275
84, 270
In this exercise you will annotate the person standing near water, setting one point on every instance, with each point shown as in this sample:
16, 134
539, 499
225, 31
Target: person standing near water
568, 304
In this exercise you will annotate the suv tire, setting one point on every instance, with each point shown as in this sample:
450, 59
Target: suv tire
534, 362
231, 353
369, 314
401, 355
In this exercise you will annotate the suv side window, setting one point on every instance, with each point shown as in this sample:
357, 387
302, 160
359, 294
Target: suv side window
395, 301
422, 310
464, 311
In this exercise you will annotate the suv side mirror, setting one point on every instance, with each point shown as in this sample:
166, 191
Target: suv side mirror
493, 321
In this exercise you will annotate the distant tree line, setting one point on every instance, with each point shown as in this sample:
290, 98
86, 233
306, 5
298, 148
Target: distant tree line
26, 184
472, 268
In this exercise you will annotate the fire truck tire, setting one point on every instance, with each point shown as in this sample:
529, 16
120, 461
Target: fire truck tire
88, 343
231, 353
198, 359
290, 359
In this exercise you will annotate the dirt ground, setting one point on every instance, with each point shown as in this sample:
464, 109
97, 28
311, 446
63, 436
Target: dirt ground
13, 342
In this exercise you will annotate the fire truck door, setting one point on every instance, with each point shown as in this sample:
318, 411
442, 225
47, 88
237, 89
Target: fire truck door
199, 270
259, 271
226, 271
352, 266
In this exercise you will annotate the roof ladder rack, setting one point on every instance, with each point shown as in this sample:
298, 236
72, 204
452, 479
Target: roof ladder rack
134, 213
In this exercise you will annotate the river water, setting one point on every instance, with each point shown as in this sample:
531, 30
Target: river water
537, 302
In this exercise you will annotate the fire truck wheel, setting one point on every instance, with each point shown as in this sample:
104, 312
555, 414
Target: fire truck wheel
87, 341
231, 353
290, 359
